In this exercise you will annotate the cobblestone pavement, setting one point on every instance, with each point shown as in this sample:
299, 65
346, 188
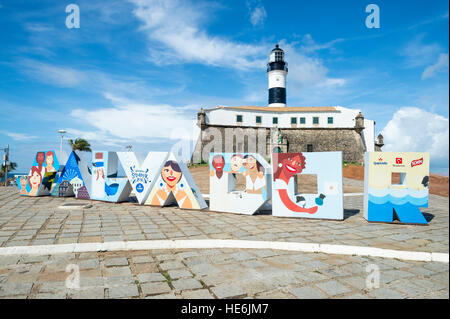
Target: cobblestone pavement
218, 273
212, 273
38, 221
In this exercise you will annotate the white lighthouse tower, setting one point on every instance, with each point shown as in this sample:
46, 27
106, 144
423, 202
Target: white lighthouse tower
277, 71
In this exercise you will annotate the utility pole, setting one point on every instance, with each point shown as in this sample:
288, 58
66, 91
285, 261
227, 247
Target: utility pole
62, 132
6, 164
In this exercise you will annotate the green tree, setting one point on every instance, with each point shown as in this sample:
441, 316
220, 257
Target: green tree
11, 167
80, 144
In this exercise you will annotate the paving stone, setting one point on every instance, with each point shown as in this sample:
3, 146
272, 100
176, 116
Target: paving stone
169, 265
307, 292
53, 287
117, 271
11, 289
128, 291
92, 293
386, 293
151, 277
242, 255
333, 288
166, 257
58, 295
197, 294
142, 259
89, 263
228, 291
119, 281
188, 254
162, 296
155, 288
204, 269
186, 284
116, 262
179, 273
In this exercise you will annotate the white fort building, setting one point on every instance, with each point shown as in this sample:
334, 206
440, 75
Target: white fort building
283, 128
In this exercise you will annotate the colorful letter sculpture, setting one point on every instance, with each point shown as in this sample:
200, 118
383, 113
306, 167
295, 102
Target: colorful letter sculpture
41, 176
326, 204
224, 168
175, 185
106, 186
71, 181
142, 174
383, 198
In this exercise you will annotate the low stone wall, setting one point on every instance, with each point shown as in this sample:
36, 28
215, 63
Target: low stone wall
249, 139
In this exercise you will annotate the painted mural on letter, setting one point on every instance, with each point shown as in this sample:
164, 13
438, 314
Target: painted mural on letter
175, 185
385, 198
105, 185
142, 174
224, 169
326, 203
41, 176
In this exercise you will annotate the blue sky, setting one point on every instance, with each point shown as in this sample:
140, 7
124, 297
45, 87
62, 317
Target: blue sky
137, 71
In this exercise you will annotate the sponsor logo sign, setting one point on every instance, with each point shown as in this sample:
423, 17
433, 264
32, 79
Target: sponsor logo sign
380, 162
417, 162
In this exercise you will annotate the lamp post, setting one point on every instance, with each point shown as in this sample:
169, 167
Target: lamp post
62, 132
6, 164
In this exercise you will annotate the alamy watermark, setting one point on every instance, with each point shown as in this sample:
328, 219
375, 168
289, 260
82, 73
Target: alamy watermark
73, 19
373, 19
373, 277
73, 280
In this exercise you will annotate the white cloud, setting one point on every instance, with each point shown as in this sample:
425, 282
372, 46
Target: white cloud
440, 65
305, 70
131, 120
418, 53
177, 26
257, 15
57, 75
19, 136
412, 129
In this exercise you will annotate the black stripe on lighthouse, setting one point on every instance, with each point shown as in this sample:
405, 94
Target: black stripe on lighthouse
277, 95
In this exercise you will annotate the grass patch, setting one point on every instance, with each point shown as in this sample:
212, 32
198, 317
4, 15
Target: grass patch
166, 275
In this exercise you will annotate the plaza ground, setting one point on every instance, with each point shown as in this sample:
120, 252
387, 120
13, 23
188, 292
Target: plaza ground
214, 273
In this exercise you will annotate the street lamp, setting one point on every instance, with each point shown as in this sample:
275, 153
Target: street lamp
62, 132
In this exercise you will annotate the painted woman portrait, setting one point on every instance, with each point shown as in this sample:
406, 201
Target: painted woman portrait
171, 176
23, 185
34, 180
49, 161
254, 176
40, 159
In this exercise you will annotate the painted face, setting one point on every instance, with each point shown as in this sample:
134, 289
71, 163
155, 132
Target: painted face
250, 163
236, 163
170, 176
35, 179
23, 182
218, 163
292, 166
49, 159
40, 157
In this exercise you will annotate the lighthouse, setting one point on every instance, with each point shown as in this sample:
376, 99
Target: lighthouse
276, 73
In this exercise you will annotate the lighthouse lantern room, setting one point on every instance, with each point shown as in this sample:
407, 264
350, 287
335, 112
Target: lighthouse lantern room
276, 72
